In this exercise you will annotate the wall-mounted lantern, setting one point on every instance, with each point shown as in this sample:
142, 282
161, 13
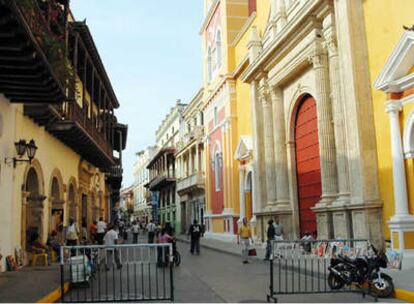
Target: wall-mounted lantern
22, 147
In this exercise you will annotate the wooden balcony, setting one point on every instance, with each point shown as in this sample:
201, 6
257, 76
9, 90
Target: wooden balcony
32, 50
71, 124
162, 180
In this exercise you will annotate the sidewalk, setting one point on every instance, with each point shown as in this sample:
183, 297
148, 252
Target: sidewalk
403, 279
30, 284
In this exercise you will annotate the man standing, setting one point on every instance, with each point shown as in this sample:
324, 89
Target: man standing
100, 230
244, 237
135, 232
111, 238
151, 231
195, 233
270, 238
278, 231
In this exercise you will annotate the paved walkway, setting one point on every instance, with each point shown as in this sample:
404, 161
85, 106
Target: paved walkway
30, 284
402, 279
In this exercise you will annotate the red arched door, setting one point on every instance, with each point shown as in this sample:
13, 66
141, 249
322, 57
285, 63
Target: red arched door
308, 168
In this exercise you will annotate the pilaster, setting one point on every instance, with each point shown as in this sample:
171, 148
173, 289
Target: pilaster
280, 150
268, 142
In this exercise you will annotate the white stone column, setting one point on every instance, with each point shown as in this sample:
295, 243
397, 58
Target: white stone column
268, 143
197, 159
280, 151
337, 112
325, 129
398, 168
190, 161
258, 163
241, 187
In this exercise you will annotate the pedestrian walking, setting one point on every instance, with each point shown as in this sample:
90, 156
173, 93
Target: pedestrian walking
270, 238
111, 239
135, 232
244, 236
92, 231
100, 230
72, 233
195, 232
151, 231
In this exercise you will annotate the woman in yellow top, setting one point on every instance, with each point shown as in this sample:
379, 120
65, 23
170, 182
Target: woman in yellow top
244, 236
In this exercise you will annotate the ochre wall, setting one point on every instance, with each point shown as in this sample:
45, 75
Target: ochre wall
384, 20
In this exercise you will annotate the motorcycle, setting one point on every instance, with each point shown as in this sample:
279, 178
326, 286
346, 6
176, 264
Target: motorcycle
362, 271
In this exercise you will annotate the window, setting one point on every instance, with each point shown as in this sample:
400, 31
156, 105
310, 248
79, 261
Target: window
218, 49
216, 119
201, 118
210, 68
217, 170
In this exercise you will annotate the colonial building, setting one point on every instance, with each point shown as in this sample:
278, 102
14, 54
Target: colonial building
162, 171
58, 104
143, 202
395, 137
221, 26
190, 163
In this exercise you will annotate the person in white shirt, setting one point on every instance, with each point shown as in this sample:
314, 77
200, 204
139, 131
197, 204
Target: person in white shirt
307, 240
135, 232
111, 239
151, 231
100, 230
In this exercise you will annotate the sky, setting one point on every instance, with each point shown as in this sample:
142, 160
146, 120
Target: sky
152, 53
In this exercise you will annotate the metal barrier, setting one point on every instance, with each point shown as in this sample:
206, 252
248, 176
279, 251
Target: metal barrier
119, 273
301, 267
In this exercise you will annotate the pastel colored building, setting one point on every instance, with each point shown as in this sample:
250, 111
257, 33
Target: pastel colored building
66, 106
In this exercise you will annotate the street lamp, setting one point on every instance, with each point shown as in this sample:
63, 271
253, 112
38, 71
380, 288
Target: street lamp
22, 147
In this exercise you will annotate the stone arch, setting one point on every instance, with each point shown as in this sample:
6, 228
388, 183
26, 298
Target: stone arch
33, 197
56, 200
72, 199
408, 136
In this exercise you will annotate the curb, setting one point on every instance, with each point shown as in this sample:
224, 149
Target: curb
55, 295
400, 294
404, 295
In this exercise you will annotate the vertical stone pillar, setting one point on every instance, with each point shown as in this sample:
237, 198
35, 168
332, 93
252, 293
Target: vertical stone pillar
241, 187
398, 169
25, 196
325, 129
268, 143
190, 161
337, 112
258, 164
197, 160
280, 152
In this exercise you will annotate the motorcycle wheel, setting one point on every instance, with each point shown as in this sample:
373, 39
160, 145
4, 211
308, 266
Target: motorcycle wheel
177, 258
383, 288
334, 282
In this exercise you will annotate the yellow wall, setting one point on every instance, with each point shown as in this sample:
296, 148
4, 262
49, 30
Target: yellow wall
384, 20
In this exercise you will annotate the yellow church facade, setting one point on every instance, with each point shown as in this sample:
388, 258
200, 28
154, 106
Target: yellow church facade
299, 72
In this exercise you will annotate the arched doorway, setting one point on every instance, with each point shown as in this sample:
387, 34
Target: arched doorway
248, 197
73, 209
308, 169
57, 208
34, 211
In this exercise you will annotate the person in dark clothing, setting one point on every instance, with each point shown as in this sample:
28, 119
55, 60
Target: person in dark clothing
195, 232
270, 236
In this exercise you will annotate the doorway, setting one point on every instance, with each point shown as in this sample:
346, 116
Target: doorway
308, 170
